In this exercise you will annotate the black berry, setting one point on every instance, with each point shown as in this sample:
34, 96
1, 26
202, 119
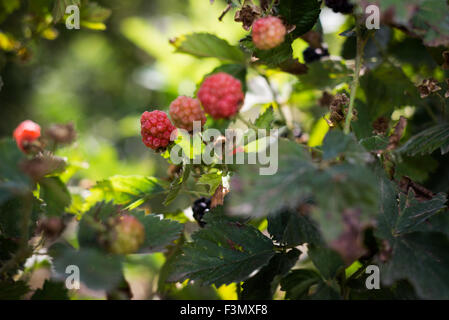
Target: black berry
314, 54
341, 6
200, 207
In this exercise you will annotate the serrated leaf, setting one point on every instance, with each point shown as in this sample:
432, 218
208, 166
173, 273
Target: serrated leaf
264, 283
206, 45
374, 143
423, 259
159, 233
129, 191
55, 195
325, 74
427, 141
336, 144
51, 291
224, 251
291, 228
302, 14
98, 271
327, 261
265, 119
298, 282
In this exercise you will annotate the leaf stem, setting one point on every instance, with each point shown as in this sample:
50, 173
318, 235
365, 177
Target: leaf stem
355, 83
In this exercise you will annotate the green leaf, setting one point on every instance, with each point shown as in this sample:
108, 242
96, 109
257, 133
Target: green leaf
264, 283
10, 159
413, 212
403, 216
60, 7
213, 180
204, 45
302, 14
374, 143
176, 185
298, 282
98, 271
327, 261
423, 259
336, 144
325, 74
129, 191
51, 291
290, 228
224, 251
93, 12
13, 290
428, 141
12, 212
55, 195
159, 233
265, 119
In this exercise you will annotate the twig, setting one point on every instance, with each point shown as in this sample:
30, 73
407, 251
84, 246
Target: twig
355, 83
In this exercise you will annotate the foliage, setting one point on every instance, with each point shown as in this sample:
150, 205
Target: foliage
360, 181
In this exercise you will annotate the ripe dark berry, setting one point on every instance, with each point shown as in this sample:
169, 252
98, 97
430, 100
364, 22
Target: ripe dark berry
268, 32
314, 54
200, 207
221, 95
156, 129
340, 6
184, 111
127, 235
25, 133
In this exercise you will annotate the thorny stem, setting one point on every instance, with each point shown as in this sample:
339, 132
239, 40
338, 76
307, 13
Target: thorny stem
355, 83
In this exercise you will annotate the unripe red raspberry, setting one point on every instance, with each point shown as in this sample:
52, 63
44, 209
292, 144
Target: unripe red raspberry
268, 32
184, 111
156, 129
127, 235
221, 95
26, 132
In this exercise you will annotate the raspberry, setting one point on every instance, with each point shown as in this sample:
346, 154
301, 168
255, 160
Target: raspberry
221, 95
268, 32
127, 235
314, 54
156, 129
184, 111
25, 133
341, 6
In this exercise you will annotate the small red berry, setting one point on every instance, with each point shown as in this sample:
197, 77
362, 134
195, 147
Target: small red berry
26, 132
268, 32
184, 111
156, 129
221, 95
128, 234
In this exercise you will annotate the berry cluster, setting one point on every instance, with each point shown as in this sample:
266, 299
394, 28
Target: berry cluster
200, 207
314, 54
127, 235
340, 6
268, 32
25, 133
184, 111
156, 129
221, 95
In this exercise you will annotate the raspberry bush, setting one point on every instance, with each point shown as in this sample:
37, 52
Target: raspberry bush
361, 121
